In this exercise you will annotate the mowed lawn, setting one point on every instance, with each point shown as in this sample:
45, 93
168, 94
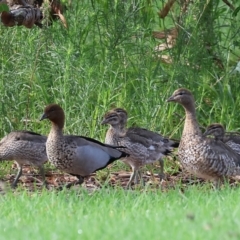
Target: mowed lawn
196, 212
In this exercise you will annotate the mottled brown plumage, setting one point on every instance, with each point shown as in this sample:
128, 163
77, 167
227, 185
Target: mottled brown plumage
232, 139
25, 148
76, 155
144, 146
201, 156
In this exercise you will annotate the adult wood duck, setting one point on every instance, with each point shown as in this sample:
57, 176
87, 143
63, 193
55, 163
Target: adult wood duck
77, 155
204, 157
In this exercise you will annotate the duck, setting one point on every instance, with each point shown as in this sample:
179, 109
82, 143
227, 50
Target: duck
216, 130
232, 139
201, 156
144, 146
25, 147
76, 155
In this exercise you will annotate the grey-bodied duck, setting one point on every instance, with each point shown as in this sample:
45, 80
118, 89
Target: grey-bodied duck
77, 155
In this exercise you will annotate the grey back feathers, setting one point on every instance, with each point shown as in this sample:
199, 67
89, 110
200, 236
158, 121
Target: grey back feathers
76, 155
24, 147
204, 157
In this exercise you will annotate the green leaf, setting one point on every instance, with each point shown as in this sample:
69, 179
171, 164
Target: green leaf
4, 7
236, 11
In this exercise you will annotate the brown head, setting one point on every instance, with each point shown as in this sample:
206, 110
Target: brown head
184, 97
216, 129
55, 114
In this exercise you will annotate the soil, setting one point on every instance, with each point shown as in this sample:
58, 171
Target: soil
31, 180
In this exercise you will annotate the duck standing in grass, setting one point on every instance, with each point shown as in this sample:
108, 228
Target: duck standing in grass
24, 147
204, 157
76, 155
232, 139
144, 146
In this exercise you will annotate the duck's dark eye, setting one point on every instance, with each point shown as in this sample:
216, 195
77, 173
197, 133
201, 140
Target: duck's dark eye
181, 93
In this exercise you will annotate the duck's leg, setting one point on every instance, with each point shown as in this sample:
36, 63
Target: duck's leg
137, 177
161, 174
132, 177
217, 183
19, 173
140, 177
79, 181
42, 173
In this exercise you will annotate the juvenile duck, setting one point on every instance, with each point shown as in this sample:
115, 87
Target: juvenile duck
25, 148
144, 146
232, 139
76, 155
204, 157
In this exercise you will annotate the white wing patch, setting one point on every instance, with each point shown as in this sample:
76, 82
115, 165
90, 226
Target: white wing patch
151, 147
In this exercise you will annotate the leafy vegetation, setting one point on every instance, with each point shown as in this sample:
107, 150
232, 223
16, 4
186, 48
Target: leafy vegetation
106, 58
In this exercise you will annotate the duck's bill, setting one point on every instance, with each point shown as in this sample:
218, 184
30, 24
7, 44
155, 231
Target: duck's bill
44, 116
171, 99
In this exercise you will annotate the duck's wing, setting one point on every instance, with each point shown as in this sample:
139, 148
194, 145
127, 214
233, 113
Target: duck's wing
82, 141
232, 136
153, 136
142, 147
233, 141
103, 144
217, 150
146, 133
135, 138
30, 136
91, 155
24, 136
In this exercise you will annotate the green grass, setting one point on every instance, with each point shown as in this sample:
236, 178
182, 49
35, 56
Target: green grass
105, 59
108, 213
